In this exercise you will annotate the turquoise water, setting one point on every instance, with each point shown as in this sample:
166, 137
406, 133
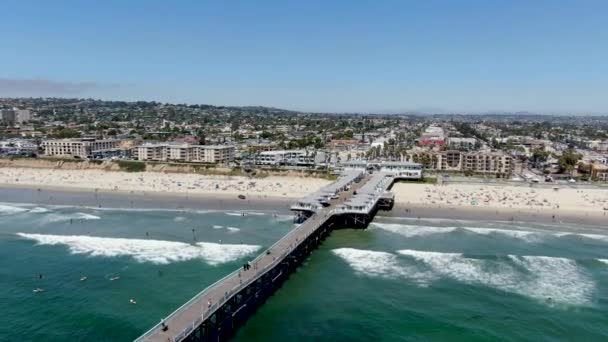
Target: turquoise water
399, 280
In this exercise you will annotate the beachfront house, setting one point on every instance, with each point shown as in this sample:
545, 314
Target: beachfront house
402, 170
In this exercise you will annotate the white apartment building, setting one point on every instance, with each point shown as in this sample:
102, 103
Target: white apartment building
184, 153
277, 157
77, 147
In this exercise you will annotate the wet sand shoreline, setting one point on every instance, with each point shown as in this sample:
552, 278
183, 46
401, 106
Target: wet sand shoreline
497, 214
182, 201
138, 200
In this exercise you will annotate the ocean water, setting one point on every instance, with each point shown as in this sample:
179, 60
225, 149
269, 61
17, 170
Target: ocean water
399, 280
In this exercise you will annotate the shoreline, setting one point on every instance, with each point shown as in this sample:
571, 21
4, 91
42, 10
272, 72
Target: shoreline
118, 199
425, 211
185, 201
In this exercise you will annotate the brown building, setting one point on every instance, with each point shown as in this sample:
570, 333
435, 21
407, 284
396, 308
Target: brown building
599, 172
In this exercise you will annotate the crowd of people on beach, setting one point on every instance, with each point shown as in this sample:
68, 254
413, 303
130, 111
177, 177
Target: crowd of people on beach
291, 187
503, 197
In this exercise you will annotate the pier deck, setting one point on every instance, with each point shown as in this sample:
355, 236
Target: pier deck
181, 324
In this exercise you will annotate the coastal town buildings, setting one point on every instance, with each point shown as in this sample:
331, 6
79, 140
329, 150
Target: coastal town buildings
475, 145
432, 136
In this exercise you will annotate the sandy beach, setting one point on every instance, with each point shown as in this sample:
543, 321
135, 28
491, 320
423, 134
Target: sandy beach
150, 189
503, 202
156, 182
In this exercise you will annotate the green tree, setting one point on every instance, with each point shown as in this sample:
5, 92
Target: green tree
539, 156
568, 160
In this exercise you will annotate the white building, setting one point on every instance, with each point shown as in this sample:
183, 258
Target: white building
184, 153
402, 170
461, 143
77, 147
18, 146
289, 157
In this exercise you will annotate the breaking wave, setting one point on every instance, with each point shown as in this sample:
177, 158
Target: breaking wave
547, 279
9, 210
544, 278
229, 229
412, 230
153, 251
605, 261
52, 218
39, 210
528, 236
380, 264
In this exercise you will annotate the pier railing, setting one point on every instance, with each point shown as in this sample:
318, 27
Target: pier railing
316, 221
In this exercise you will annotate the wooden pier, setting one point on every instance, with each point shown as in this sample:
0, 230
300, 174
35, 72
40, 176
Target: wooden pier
218, 311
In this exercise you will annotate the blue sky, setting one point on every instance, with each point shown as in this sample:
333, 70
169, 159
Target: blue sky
361, 56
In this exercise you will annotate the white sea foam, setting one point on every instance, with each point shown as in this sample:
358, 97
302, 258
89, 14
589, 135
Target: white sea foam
232, 213
549, 279
370, 262
154, 251
39, 210
380, 264
233, 229
517, 234
412, 230
173, 210
525, 235
605, 261
556, 278
218, 227
179, 219
255, 213
56, 217
9, 209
